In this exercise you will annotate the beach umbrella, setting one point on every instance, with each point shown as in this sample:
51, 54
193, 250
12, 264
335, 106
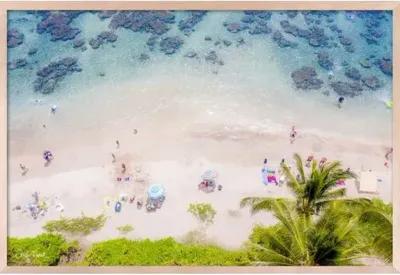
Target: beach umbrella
209, 175
156, 191
118, 207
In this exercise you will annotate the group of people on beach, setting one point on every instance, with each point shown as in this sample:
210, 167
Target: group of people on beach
269, 174
39, 207
388, 156
47, 156
124, 176
294, 134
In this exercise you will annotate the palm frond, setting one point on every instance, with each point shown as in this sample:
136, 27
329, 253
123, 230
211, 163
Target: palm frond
300, 167
258, 204
292, 182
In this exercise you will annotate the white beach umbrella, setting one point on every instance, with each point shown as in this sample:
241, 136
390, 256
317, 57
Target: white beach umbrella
156, 191
209, 175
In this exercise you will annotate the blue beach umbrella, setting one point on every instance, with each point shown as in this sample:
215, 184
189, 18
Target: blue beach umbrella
156, 191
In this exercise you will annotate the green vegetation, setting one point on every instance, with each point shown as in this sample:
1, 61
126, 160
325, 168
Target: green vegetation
296, 240
161, 252
82, 225
125, 229
320, 226
42, 250
376, 224
204, 212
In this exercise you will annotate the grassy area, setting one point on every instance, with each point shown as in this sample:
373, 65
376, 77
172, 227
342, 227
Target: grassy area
42, 250
161, 252
81, 225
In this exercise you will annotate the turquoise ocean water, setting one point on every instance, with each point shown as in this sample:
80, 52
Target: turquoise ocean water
248, 81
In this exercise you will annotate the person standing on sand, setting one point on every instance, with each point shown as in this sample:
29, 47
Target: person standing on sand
114, 159
322, 161
48, 157
293, 134
117, 142
123, 168
309, 160
388, 156
24, 170
389, 153
53, 109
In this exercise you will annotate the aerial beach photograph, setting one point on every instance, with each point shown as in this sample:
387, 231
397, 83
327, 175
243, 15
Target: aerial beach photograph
199, 138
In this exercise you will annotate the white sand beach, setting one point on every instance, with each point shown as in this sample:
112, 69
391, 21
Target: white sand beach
173, 147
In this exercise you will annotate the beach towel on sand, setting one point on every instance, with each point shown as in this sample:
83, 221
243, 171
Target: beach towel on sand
264, 175
268, 176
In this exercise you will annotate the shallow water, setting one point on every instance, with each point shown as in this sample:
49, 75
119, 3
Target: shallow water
252, 88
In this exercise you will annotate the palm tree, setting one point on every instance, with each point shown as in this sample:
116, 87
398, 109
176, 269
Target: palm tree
312, 191
296, 240
376, 217
319, 226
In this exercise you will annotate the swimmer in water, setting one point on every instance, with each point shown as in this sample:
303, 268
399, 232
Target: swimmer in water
331, 74
340, 101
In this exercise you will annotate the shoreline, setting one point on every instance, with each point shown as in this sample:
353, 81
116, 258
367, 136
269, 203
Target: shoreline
219, 144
